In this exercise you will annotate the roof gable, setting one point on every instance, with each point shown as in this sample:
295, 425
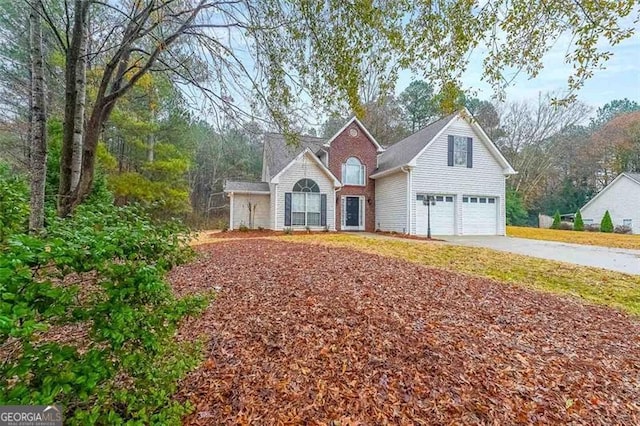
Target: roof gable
314, 158
277, 153
354, 119
633, 177
407, 151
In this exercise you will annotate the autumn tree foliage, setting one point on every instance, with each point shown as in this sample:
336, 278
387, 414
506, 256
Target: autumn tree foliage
616, 147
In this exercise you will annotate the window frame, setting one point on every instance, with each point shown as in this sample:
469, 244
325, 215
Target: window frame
362, 172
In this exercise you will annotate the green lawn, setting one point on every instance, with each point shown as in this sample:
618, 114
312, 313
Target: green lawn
595, 285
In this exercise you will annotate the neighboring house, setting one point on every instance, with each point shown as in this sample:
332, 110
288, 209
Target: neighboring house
622, 198
350, 182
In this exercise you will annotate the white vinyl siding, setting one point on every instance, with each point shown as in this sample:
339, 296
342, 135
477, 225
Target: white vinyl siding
622, 199
305, 168
433, 176
391, 202
260, 207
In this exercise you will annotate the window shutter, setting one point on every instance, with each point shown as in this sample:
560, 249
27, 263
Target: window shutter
450, 152
469, 152
287, 209
323, 210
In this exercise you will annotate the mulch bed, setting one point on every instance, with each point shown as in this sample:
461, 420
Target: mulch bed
327, 336
258, 233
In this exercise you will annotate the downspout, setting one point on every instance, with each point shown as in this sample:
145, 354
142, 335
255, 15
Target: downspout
407, 170
231, 211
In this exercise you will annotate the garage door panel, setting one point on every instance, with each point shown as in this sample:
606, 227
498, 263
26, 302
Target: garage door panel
442, 216
479, 215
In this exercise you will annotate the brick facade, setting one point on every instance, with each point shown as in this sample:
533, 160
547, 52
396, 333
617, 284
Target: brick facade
342, 147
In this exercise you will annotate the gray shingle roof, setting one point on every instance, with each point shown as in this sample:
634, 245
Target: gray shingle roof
634, 176
403, 152
237, 186
277, 153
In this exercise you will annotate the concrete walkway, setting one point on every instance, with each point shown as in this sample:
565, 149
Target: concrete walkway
614, 259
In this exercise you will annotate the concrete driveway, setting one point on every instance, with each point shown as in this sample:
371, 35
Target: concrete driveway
615, 259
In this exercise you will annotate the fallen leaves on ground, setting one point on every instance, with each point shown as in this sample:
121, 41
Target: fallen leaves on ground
595, 285
308, 334
625, 241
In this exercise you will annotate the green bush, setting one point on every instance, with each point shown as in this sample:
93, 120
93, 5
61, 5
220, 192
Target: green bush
14, 205
607, 224
100, 273
578, 223
556, 221
516, 212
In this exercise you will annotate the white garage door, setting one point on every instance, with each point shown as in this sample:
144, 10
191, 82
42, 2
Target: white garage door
479, 215
442, 216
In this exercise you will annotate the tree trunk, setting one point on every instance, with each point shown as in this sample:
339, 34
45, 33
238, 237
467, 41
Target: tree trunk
38, 157
78, 131
151, 146
73, 57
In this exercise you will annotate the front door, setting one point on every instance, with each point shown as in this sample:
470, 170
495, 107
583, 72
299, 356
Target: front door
352, 212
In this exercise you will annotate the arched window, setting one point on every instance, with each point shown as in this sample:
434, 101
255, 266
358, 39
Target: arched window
306, 185
353, 172
306, 204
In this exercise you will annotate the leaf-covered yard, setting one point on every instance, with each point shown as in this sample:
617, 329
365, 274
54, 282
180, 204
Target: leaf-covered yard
326, 335
625, 241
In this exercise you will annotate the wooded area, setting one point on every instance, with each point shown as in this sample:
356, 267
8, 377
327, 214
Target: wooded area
118, 116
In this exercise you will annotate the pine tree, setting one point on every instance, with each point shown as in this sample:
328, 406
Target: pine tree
607, 224
578, 224
556, 221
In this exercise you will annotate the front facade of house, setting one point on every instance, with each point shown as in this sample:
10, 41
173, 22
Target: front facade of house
351, 183
621, 198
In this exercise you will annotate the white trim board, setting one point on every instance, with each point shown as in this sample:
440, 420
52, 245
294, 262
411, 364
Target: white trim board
362, 213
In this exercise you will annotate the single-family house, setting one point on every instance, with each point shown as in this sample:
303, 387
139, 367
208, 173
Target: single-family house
621, 198
350, 182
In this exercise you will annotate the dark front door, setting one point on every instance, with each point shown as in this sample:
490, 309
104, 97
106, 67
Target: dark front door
353, 212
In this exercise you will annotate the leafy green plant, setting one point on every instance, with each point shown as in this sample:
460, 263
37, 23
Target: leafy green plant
607, 224
288, 231
556, 221
578, 223
515, 210
14, 207
100, 273
243, 228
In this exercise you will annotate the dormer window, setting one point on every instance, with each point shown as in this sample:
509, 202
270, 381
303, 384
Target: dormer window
353, 172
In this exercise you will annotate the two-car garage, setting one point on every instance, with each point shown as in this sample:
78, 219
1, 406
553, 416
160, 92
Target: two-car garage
478, 215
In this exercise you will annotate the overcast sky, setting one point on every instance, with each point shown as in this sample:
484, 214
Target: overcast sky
620, 79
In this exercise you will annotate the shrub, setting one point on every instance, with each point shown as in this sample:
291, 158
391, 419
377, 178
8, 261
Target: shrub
592, 228
556, 221
14, 206
578, 224
515, 210
565, 226
243, 228
100, 272
288, 231
222, 225
606, 225
622, 229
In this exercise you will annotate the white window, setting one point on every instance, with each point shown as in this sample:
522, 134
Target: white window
588, 221
306, 204
459, 151
627, 222
353, 172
